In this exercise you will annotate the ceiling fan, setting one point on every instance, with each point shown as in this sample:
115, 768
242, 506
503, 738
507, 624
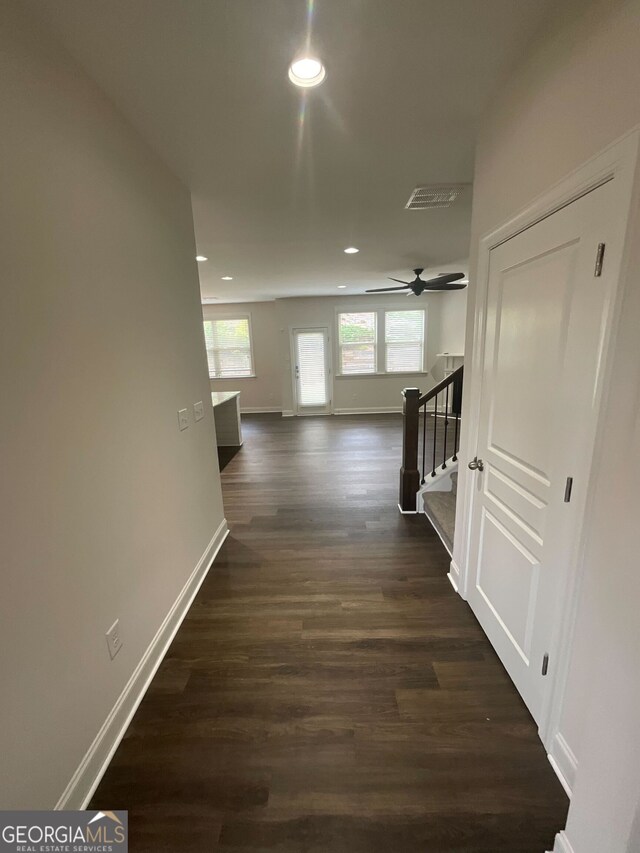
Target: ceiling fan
445, 281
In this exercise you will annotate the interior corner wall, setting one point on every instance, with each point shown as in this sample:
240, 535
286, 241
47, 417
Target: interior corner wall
107, 507
573, 94
261, 392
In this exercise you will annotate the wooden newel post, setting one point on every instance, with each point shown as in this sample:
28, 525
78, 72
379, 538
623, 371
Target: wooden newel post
409, 474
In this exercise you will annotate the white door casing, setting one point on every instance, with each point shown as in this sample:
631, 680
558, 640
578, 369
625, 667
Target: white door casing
543, 350
311, 371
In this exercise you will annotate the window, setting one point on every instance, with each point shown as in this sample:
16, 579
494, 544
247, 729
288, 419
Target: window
357, 342
404, 341
228, 343
398, 335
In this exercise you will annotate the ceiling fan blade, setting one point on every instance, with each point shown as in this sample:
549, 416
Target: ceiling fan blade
408, 283
446, 278
449, 286
387, 289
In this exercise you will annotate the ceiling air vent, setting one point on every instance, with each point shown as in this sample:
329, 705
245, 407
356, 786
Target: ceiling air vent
434, 195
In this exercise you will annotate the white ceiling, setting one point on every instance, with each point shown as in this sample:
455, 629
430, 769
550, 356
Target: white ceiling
276, 202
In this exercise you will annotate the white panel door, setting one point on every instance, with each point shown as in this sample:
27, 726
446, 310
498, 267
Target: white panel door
311, 370
545, 324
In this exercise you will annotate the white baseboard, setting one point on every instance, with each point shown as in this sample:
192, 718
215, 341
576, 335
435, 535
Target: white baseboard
379, 410
85, 780
407, 511
258, 410
562, 844
564, 762
454, 576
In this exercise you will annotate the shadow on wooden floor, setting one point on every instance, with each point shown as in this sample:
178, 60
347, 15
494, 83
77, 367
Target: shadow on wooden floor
226, 454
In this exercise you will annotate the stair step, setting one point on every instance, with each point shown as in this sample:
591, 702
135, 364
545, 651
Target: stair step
440, 509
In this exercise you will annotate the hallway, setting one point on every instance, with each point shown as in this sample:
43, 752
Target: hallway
328, 691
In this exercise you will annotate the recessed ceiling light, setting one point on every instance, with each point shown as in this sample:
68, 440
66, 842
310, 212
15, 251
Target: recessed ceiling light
341, 286
351, 250
227, 278
307, 72
201, 258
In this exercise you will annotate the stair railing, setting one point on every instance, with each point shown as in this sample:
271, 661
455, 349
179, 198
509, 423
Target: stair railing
416, 465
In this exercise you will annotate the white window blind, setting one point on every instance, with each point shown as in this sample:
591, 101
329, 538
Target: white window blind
311, 368
404, 341
228, 345
357, 342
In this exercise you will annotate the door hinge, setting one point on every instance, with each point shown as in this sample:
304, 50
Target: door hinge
567, 489
545, 663
599, 260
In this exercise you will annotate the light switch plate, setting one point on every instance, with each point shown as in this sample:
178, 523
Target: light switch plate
114, 640
198, 411
183, 418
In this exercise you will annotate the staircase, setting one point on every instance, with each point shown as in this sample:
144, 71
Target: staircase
431, 439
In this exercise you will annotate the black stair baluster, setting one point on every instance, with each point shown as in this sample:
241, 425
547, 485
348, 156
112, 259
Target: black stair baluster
446, 427
424, 441
435, 433
456, 407
454, 458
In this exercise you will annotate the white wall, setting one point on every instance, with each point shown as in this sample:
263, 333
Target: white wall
271, 324
106, 506
453, 314
574, 94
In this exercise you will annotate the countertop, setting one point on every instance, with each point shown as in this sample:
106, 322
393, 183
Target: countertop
219, 397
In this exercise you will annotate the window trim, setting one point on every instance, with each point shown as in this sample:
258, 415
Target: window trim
232, 316
380, 344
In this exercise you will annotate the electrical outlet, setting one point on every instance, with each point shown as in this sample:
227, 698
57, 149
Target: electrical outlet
114, 639
198, 411
183, 419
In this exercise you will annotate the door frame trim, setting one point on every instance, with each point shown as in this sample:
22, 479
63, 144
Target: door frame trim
292, 360
618, 162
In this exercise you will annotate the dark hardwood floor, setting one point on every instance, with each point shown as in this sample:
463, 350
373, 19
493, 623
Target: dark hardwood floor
329, 692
